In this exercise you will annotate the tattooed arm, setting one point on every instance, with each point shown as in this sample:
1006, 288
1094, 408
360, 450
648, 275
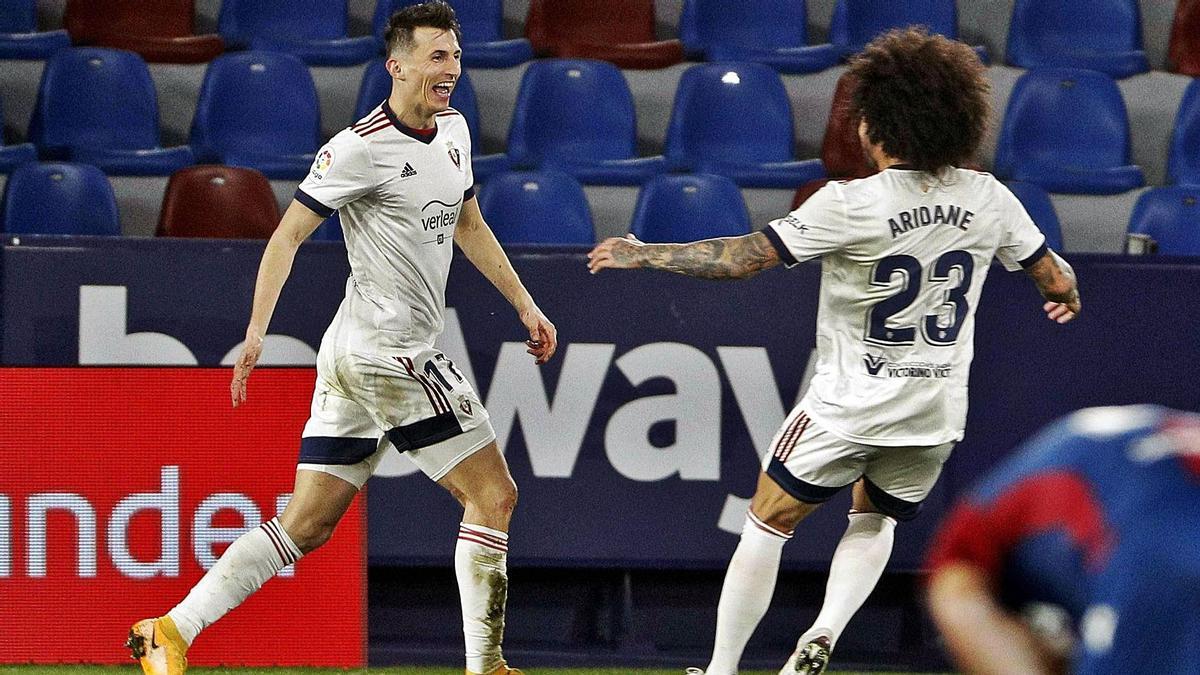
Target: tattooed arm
1055, 280
724, 258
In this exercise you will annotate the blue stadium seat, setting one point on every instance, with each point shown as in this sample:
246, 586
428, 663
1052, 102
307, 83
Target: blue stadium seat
735, 120
577, 116
774, 32
99, 106
60, 198
314, 30
1067, 130
1039, 207
258, 109
19, 36
687, 208
377, 84
12, 156
1171, 217
1183, 166
1104, 35
483, 45
857, 22
537, 207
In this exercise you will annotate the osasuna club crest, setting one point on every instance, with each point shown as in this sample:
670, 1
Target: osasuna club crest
455, 155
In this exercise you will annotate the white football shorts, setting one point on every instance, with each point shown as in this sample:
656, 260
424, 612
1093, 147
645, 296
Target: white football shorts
812, 465
364, 404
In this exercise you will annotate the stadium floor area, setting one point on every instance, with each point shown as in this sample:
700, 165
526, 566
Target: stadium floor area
400, 670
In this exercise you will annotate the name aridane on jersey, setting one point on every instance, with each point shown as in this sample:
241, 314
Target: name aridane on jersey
398, 192
904, 257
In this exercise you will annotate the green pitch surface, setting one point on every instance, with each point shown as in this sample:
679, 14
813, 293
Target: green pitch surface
401, 670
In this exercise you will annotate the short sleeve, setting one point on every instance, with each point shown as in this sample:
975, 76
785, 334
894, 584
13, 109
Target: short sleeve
469, 187
818, 227
1023, 243
341, 173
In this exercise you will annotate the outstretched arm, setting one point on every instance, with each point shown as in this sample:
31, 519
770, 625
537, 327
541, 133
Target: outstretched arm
982, 637
724, 258
273, 271
1056, 281
476, 240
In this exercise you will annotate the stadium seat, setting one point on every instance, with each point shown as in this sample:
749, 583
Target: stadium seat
857, 22
258, 109
221, 202
1046, 140
314, 30
99, 106
1183, 52
60, 198
1103, 35
1170, 216
774, 32
537, 207
577, 116
377, 85
1039, 207
1183, 164
12, 156
841, 149
19, 36
621, 33
735, 120
482, 21
165, 35
687, 208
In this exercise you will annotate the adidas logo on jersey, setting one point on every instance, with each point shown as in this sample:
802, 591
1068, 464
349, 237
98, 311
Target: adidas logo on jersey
408, 171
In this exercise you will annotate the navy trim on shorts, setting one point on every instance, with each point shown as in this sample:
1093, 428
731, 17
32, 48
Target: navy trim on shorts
312, 203
426, 432
800, 489
335, 450
781, 248
895, 507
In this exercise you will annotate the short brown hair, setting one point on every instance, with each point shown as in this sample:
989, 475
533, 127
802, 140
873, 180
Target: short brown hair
925, 97
431, 14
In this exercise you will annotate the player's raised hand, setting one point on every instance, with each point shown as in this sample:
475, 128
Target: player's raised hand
1061, 312
615, 252
241, 370
543, 336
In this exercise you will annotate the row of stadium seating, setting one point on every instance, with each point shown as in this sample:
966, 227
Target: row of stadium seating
260, 109
1102, 35
523, 207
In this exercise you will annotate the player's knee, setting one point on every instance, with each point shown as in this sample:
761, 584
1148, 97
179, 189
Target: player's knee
309, 535
498, 500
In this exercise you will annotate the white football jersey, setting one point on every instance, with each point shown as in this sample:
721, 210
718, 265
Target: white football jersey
398, 192
903, 259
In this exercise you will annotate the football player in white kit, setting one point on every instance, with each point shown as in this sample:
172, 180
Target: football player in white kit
904, 254
401, 180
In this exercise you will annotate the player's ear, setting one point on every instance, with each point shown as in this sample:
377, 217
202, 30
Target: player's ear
392, 65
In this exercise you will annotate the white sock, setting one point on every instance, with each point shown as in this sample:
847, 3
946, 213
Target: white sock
245, 566
857, 565
746, 594
480, 563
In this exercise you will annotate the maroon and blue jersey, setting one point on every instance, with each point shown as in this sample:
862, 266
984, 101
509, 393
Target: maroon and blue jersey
1099, 515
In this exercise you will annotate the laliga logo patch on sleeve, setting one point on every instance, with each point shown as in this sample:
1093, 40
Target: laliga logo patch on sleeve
322, 164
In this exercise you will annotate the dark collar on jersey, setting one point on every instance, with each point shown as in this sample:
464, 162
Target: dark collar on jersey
903, 167
426, 136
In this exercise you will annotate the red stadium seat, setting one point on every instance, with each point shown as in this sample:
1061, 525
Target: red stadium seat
163, 34
623, 33
222, 202
841, 151
1183, 54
